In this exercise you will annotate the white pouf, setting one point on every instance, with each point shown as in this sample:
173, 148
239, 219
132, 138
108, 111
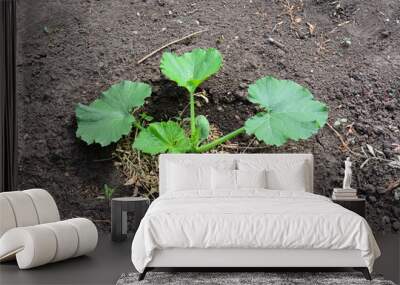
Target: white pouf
31, 230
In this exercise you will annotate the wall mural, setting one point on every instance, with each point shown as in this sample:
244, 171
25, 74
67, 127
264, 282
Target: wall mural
69, 52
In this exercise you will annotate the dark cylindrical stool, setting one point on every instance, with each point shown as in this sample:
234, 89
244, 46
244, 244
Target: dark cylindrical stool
119, 215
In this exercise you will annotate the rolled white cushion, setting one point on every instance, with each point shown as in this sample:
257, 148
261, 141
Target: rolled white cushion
87, 234
45, 205
67, 240
23, 208
37, 245
26, 208
33, 246
7, 218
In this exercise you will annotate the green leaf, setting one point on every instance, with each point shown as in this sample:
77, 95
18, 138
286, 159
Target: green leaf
202, 127
108, 118
108, 191
146, 117
290, 111
162, 137
192, 68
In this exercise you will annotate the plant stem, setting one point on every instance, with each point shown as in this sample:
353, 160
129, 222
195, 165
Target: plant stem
137, 125
220, 140
192, 117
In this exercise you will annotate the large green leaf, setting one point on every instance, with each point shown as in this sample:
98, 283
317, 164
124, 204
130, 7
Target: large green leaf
162, 137
108, 118
192, 68
290, 111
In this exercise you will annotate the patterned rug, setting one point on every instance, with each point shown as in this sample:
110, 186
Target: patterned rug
243, 278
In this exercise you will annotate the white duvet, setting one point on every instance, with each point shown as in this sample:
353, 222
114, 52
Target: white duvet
250, 219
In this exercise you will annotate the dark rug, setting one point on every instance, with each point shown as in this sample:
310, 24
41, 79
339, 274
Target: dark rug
269, 278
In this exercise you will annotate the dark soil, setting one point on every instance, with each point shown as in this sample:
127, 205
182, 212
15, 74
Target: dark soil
69, 51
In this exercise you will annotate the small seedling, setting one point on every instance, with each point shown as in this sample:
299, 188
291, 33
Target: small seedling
108, 192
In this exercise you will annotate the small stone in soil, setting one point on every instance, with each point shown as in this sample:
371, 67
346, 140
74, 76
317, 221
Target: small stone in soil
240, 94
385, 220
220, 109
242, 85
385, 34
346, 42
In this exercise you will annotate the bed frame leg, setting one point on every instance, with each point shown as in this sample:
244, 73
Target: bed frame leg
364, 271
143, 274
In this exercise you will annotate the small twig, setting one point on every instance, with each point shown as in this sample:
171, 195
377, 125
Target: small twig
276, 26
393, 185
322, 43
192, 12
168, 44
360, 155
344, 144
276, 43
333, 30
236, 146
183, 111
344, 23
250, 143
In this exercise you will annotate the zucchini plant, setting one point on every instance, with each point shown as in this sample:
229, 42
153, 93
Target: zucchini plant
289, 111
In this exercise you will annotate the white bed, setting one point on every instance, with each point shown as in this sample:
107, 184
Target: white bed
203, 220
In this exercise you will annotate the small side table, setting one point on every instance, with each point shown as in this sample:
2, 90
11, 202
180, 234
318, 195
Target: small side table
355, 205
119, 215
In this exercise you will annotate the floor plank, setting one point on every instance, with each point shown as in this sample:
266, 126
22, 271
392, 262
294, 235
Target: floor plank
111, 259
103, 266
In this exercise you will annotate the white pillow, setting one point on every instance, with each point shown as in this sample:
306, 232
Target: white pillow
223, 179
281, 175
295, 180
251, 178
182, 177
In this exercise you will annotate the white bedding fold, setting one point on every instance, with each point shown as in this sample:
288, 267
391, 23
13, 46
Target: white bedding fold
250, 219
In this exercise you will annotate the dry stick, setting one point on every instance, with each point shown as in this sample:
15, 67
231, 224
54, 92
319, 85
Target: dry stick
247, 147
170, 43
276, 43
231, 146
276, 26
355, 153
340, 137
192, 12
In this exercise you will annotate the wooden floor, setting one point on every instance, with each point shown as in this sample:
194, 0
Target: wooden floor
111, 259
104, 266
